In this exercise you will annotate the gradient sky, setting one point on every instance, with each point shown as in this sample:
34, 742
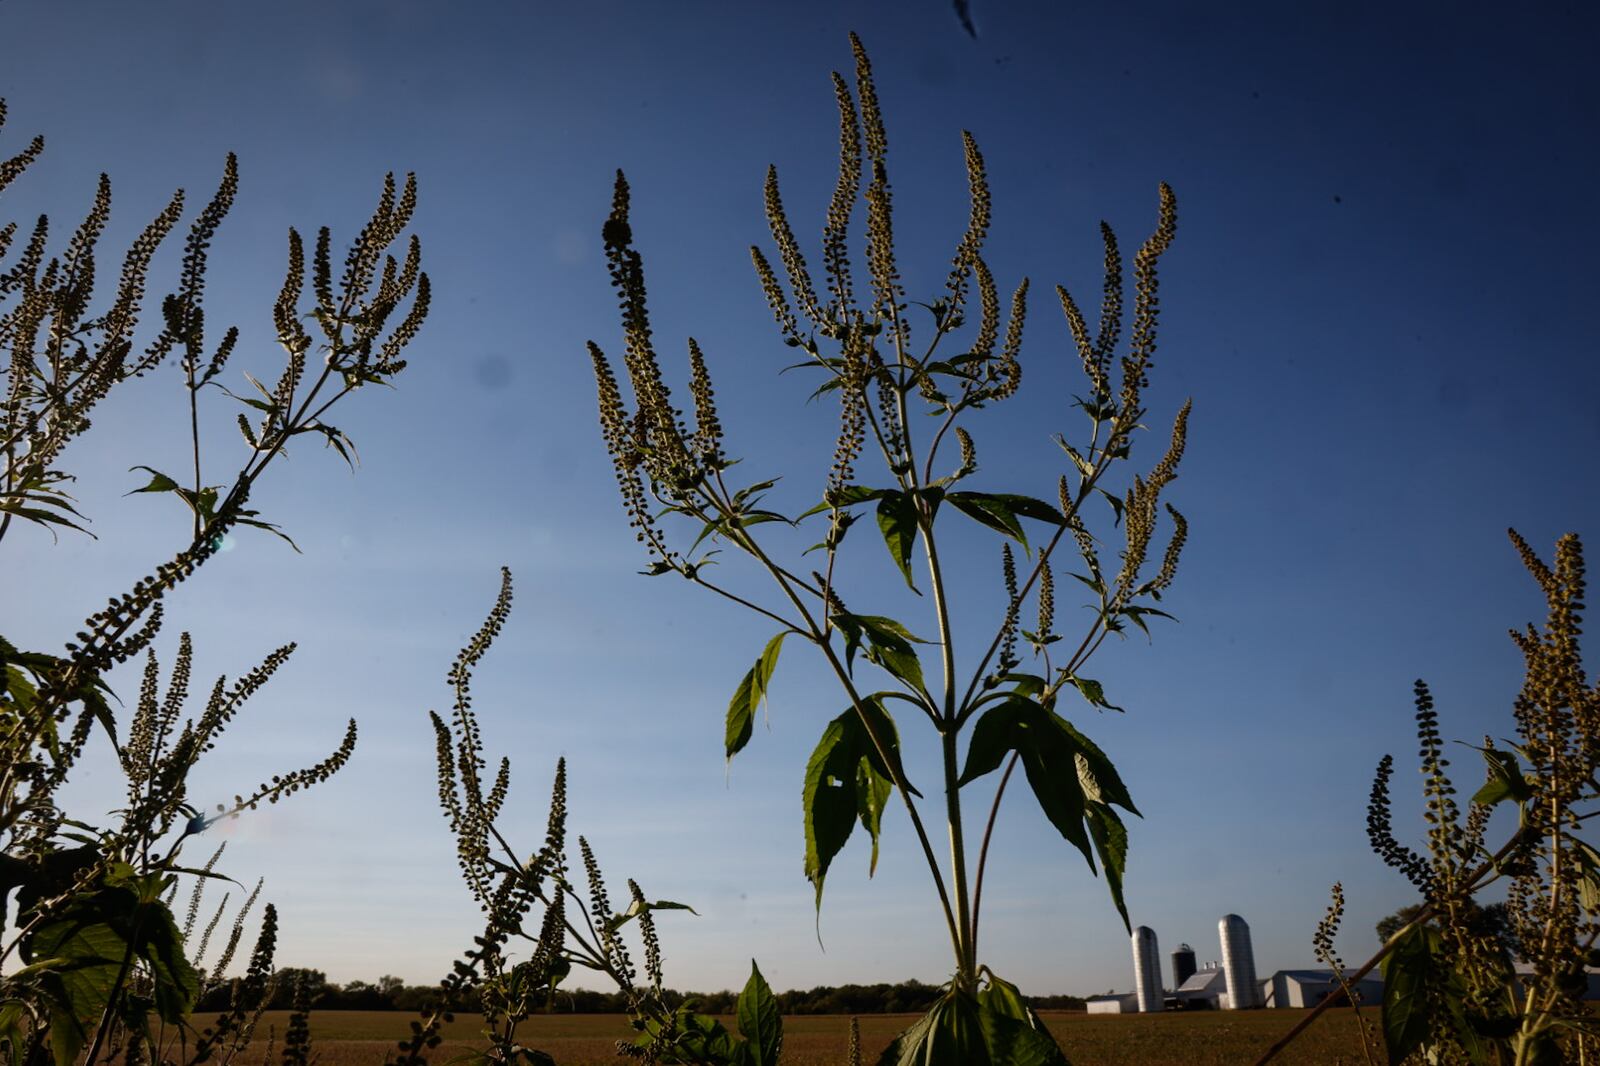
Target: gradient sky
1381, 300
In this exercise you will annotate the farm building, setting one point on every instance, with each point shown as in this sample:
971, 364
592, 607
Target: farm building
1203, 990
1307, 988
1593, 991
1112, 1003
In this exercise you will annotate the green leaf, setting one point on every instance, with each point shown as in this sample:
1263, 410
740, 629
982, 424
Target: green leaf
760, 1021
747, 698
1068, 773
1014, 1041
1588, 875
636, 908
1092, 691
845, 496
159, 482
828, 797
274, 530
12, 1035
992, 511
1505, 780
1028, 507
993, 737
1411, 970
1100, 779
951, 1032
872, 797
1110, 838
1051, 774
834, 796
78, 989
888, 645
897, 520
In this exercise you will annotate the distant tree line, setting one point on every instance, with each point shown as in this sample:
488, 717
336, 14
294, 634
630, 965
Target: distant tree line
392, 993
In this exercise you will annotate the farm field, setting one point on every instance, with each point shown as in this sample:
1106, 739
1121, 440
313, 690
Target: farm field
364, 1038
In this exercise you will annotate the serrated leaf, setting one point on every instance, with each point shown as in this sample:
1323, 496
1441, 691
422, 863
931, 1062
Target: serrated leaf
1110, 838
828, 797
1067, 772
834, 798
1102, 776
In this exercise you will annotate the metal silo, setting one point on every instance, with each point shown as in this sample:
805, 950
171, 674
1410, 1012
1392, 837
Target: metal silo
1182, 965
1238, 963
1146, 969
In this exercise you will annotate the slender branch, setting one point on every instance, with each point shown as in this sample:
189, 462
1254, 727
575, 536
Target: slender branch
983, 851
1428, 910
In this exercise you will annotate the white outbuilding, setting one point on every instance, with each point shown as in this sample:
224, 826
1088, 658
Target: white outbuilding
1112, 1003
1307, 988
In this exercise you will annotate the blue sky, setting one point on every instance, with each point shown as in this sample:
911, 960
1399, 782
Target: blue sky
1379, 300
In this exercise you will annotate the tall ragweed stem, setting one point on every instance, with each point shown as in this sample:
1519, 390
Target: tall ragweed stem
857, 338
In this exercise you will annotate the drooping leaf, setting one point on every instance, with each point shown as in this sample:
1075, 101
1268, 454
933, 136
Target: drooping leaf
1096, 770
872, 797
828, 797
1065, 769
897, 520
1110, 838
1049, 766
760, 1020
848, 780
747, 698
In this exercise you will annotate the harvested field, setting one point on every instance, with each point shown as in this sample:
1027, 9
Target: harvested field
1201, 1038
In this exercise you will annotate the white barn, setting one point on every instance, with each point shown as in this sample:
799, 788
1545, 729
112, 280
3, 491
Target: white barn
1112, 1003
1204, 990
1307, 988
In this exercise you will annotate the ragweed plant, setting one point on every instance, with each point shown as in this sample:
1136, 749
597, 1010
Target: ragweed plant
100, 911
540, 924
1453, 992
856, 328
102, 958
